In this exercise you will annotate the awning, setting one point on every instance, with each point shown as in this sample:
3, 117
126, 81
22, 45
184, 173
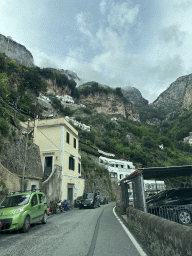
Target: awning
160, 173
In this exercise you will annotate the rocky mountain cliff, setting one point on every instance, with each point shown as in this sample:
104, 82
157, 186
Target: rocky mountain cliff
68, 73
110, 104
16, 51
134, 95
131, 93
177, 96
89, 84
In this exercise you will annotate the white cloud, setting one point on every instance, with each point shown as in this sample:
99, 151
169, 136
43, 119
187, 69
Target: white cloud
168, 68
146, 46
122, 15
182, 5
82, 25
172, 34
103, 6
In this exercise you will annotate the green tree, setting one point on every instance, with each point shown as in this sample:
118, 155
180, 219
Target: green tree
3, 63
4, 127
118, 91
4, 91
12, 67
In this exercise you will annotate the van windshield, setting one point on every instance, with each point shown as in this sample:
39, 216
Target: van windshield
16, 200
89, 195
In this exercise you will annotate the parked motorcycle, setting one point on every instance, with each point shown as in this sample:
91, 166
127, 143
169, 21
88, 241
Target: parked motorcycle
59, 207
66, 205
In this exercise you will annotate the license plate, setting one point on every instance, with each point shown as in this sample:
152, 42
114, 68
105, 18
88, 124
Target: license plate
85, 205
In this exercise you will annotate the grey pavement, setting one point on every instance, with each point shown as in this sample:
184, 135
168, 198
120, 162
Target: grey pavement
86, 232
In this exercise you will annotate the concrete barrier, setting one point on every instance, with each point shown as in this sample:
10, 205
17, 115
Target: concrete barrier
161, 236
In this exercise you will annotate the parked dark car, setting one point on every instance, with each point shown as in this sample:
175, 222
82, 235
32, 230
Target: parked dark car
174, 204
90, 200
103, 200
77, 201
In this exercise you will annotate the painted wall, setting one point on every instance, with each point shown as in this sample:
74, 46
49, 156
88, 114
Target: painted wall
51, 136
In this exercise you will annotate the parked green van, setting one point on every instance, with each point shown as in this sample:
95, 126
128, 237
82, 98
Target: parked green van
20, 209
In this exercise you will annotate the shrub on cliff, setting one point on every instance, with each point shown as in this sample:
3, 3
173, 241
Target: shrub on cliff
33, 80
4, 127
3, 63
4, 91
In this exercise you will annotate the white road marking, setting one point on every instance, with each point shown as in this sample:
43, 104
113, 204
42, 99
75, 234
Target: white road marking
137, 246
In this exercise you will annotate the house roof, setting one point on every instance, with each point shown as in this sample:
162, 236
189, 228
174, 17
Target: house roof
161, 172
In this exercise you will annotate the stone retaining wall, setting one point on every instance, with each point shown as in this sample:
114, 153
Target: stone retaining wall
162, 237
8, 182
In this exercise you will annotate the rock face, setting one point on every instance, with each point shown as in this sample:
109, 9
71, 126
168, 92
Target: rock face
16, 51
178, 95
89, 84
110, 104
134, 95
53, 88
68, 73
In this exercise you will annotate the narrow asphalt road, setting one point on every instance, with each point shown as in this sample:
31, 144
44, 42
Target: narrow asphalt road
86, 232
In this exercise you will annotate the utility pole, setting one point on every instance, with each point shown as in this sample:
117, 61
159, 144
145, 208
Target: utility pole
23, 173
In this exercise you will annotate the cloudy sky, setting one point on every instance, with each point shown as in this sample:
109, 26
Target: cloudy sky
146, 44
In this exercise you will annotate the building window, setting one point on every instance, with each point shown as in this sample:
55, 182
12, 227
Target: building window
67, 138
121, 166
116, 165
71, 163
79, 168
121, 176
74, 143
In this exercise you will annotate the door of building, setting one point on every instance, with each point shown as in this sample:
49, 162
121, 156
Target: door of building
70, 194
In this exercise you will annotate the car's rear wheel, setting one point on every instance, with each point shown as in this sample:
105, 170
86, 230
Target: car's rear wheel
44, 219
26, 224
184, 217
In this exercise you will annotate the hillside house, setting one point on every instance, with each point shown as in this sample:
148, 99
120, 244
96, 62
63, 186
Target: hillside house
78, 124
188, 139
118, 169
59, 145
65, 98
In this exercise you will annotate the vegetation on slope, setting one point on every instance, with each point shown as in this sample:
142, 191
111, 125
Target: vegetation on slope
93, 174
19, 85
132, 141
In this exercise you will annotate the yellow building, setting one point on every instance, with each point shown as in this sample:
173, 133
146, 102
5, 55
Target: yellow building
59, 145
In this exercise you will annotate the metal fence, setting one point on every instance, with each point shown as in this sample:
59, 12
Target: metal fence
178, 213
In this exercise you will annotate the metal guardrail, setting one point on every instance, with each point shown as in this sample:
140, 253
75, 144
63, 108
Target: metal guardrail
177, 213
